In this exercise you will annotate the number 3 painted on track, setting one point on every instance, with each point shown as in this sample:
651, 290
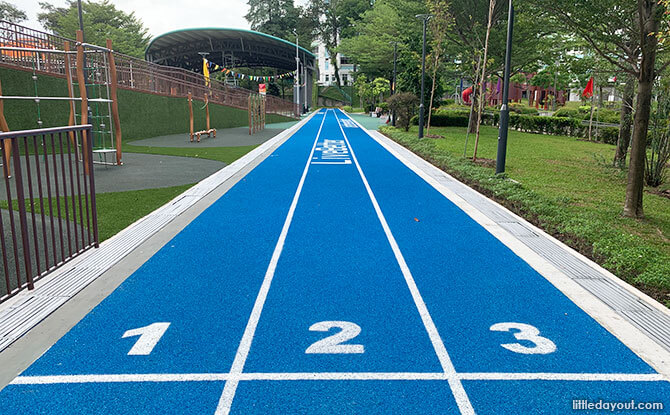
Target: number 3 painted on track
333, 343
526, 332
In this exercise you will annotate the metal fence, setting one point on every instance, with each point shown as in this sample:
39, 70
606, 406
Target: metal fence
134, 74
47, 203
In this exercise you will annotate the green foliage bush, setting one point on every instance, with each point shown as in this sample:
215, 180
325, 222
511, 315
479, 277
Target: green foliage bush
566, 112
521, 108
347, 108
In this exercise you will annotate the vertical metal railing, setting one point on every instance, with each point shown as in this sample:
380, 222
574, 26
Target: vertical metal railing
47, 204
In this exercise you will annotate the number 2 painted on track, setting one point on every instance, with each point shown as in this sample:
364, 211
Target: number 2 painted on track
333, 343
542, 345
149, 337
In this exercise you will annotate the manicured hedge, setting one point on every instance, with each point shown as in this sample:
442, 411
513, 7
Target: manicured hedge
526, 123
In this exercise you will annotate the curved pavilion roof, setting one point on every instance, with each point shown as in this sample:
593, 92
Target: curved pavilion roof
231, 48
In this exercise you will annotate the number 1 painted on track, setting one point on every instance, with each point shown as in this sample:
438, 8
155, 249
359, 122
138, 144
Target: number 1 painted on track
149, 337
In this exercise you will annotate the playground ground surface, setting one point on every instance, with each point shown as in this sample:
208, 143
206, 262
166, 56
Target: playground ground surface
337, 277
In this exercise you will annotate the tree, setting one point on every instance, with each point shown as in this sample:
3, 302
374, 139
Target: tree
334, 20
624, 33
482, 93
380, 86
364, 89
404, 104
102, 21
11, 13
439, 24
279, 18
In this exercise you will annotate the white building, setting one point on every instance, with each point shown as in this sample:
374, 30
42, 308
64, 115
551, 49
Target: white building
326, 69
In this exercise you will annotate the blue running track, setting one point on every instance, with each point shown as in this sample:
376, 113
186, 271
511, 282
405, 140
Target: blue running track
332, 279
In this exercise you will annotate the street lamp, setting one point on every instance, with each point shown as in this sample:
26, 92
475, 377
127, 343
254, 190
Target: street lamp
296, 84
395, 54
425, 18
504, 110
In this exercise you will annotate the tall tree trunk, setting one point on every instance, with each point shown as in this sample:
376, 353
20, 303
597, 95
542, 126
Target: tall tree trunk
432, 91
625, 123
482, 95
650, 16
473, 101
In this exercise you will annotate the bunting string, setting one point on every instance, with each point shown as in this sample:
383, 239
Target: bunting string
212, 67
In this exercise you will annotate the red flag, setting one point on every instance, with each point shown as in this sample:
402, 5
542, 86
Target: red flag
588, 91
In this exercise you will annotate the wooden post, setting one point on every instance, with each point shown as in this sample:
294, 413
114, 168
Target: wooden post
207, 112
7, 143
70, 92
190, 111
84, 98
115, 105
249, 113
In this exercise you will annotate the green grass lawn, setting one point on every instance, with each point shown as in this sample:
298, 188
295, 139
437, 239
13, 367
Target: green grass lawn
116, 210
569, 188
224, 154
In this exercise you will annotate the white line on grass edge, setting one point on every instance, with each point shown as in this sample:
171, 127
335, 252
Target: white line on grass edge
457, 389
216, 377
626, 332
226, 400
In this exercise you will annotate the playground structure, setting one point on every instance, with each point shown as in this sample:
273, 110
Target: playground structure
256, 113
211, 132
536, 95
93, 73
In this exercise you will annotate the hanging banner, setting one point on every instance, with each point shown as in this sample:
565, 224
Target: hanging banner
262, 89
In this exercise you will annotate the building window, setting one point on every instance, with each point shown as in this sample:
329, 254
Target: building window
345, 79
327, 78
345, 60
327, 64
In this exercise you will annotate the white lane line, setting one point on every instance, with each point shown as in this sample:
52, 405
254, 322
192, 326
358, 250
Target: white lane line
226, 400
334, 376
457, 388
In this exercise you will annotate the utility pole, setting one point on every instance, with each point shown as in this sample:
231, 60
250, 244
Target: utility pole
395, 62
504, 110
425, 18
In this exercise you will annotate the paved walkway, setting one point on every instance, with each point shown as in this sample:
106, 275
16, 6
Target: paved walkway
338, 277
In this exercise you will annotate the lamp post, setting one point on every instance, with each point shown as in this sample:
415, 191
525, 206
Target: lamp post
296, 84
425, 18
395, 54
504, 110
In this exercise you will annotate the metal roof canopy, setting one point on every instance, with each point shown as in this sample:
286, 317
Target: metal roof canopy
230, 48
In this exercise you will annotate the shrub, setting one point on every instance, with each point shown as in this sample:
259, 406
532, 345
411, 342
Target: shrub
566, 112
404, 105
347, 108
521, 108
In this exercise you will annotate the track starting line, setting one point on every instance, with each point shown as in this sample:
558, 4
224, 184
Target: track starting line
334, 279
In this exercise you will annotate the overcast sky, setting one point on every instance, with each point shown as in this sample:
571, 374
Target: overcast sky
162, 16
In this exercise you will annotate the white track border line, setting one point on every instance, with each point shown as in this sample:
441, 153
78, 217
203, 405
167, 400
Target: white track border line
228, 394
341, 376
646, 348
456, 386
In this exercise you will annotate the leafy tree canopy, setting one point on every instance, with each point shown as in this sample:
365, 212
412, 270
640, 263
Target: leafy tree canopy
102, 21
11, 13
